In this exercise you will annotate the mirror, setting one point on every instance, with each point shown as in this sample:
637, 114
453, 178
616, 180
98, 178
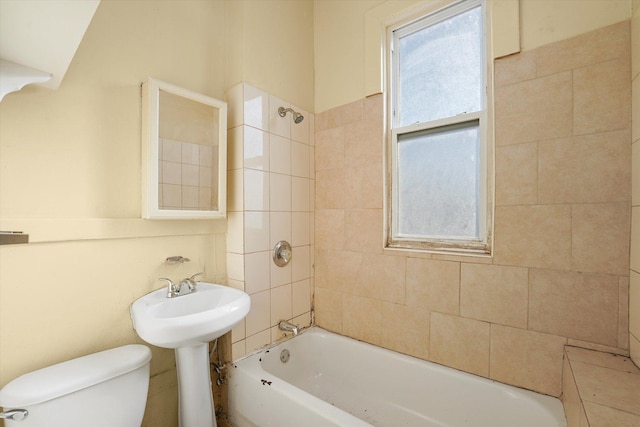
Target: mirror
184, 153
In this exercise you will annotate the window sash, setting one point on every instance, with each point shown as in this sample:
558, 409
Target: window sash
433, 199
430, 20
394, 238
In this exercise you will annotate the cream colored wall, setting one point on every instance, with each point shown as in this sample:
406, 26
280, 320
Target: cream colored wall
70, 177
339, 43
548, 21
634, 291
341, 32
271, 47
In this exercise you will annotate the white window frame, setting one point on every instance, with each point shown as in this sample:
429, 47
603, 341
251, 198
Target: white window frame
483, 245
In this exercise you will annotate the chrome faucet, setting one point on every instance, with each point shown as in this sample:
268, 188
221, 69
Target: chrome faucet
185, 287
288, 327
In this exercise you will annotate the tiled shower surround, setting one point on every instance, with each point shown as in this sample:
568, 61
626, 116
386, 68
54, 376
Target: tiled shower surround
560, 271
271, 194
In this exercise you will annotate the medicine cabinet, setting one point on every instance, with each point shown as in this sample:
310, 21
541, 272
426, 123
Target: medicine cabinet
184, 153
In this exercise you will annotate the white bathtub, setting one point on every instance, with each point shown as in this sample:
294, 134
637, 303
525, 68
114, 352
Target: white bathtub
330, 380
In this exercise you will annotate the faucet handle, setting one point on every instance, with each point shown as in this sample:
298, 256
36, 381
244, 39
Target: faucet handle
171, 288
169, 281
190, 282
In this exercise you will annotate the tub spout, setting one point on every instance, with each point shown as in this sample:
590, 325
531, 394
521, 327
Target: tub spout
288, 327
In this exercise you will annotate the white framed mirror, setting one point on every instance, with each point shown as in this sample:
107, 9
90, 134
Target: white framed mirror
184, 153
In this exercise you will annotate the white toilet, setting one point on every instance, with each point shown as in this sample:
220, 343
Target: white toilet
105, 389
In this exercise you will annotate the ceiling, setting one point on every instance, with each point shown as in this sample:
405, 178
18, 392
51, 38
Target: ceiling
43, 35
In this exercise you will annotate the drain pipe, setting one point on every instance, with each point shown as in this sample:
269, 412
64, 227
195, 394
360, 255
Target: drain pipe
219, 367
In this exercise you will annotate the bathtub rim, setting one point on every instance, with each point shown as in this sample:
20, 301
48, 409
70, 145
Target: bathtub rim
537, 396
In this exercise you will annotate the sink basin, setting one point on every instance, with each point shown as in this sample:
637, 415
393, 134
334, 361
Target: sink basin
188, 320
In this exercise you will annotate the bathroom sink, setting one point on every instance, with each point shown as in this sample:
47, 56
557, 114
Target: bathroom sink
188, 320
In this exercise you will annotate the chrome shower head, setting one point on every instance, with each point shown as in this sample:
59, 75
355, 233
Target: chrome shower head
297, 117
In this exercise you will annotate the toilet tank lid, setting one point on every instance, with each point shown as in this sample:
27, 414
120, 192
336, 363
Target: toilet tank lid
73, 375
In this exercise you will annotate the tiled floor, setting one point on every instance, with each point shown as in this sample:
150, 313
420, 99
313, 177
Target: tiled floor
600, 389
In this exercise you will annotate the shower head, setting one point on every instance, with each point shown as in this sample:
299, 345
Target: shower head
297, 117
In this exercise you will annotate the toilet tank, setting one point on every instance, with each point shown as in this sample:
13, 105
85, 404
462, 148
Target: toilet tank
103, 389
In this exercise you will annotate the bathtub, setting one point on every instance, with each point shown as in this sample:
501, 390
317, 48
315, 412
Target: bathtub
326, 379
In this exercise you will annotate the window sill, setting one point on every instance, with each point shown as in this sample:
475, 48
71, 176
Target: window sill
423, 251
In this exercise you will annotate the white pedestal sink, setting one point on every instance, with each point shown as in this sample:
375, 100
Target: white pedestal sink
187, 324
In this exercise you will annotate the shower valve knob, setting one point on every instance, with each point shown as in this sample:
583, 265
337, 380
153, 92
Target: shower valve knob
282, 253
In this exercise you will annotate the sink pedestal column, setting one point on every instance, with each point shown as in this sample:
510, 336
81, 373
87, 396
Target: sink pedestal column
195, 398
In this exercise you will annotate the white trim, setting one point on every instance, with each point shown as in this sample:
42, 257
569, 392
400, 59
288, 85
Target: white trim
434, 16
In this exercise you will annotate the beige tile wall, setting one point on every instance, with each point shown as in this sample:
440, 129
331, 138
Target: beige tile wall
562, 222
634, 288
600, 389
270, 198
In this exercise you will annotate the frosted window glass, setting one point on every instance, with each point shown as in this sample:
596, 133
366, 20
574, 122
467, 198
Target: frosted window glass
440, 69
438, 183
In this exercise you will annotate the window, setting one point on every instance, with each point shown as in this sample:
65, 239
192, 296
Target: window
437, 183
